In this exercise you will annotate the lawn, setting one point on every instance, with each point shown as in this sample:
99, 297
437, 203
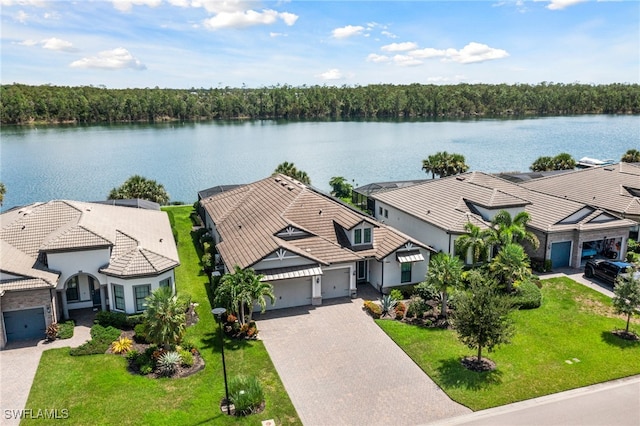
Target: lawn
97, 389
562, 345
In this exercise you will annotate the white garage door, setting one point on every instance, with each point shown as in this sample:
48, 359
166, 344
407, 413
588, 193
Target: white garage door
335, 283
289, 293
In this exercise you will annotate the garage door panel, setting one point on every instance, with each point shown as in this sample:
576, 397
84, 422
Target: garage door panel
290, 293
24, 324
335, 283
560, 254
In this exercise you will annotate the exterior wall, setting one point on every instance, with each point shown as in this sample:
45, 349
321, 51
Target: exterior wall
291, 260
422, 231
27, 299
128, 284
74, 262
388, 273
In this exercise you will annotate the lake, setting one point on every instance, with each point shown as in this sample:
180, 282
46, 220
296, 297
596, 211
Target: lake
86, 162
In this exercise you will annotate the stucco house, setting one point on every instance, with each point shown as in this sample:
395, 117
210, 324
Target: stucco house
309, 245
60, 256
436, 211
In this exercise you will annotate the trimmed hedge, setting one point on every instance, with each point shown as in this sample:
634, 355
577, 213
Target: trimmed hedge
527, 296
101, 338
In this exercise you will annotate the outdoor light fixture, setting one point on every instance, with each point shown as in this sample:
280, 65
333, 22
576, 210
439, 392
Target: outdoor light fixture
217, 313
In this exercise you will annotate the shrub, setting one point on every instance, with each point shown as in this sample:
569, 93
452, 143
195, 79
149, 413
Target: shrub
146, 369
112, 319
527, 296
427, 291
396, 294
104, 334
387, 304
132, 356
401, 308
187, 345
122, 345
246, 394
373, 308
231, 318
253, 329
52, 331
66, 330
417, 307
140, 333
168, 363
101, 338
133, 320
187, 358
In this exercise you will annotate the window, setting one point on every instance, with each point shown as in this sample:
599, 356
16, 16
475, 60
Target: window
72, 290
118, 297
166, 283
380, 211
367, 235
406, 272
357, 236
386, 213
140, 292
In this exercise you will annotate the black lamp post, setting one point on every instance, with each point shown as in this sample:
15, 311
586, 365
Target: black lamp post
218, 312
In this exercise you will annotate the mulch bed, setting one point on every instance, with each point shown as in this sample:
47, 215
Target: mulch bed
471, 363
626, 335
232, 409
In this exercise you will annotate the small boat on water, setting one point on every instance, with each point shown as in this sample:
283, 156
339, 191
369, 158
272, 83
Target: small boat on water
586, 162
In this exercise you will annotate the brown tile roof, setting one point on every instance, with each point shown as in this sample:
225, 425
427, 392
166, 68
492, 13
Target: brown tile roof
449, 204
607, 187
249, 217
141, 240
27, 270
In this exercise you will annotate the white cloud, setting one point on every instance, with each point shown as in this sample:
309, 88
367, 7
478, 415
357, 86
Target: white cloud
348, 31
21, 16
332, 74
28, 43
562, 4
274, 35
428, 53
115, 59
36, 3
127, 5
242, 19
218, 6
475, 52
406, 61
399, 47
388, 34
57, 44
373, 57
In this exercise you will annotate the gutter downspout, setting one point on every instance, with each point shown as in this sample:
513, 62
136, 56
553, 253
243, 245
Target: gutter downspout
382, 278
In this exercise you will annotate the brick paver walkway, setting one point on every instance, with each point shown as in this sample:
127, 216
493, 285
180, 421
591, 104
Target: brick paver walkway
340, 368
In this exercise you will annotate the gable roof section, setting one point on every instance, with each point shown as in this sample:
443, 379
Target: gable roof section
249, 218
141, 240
28, 273
606, 187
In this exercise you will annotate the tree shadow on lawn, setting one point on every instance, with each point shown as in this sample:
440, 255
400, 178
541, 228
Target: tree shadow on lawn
611, 339
452, 374
211, 341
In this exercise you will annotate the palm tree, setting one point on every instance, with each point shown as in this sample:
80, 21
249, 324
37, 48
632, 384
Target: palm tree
444, 164
542, 164
241, 289
564, 161
3, 190
289, 169
506, 230
340, 187
476, 240
429, 165
445, 270
140, 187
165, 318
258, 292
631, 156
511, 264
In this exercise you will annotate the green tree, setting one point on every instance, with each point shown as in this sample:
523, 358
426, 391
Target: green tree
626, 299
511, 264
140, 187
476, 241
340, 187
239, 290
482, 317
289, 169
506, 229
564, 161
165, 318
542, 164
445, 270
631, 156
444, 164
3, 190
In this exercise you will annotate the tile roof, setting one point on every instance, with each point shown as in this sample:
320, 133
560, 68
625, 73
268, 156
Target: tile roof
29, 272
615, 188
249, 217
450, 203
141, 240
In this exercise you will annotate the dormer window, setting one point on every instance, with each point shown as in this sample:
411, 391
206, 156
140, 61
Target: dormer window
367, 235
362, 236
357, 236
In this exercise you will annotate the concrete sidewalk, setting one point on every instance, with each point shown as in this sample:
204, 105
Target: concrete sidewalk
18, 365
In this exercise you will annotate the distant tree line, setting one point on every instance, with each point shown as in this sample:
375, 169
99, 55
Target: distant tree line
22, 104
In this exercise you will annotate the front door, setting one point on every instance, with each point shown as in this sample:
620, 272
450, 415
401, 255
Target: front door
362, 271
95, 292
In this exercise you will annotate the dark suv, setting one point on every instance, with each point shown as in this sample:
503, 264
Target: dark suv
606, 270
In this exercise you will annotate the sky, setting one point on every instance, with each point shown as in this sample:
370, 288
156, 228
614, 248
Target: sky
213, 43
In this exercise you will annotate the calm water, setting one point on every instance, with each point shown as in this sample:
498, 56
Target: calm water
84, 163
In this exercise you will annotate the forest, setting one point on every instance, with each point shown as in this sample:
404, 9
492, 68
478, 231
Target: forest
25, 104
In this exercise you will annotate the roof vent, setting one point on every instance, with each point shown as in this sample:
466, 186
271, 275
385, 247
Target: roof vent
283, 183
320, 212
460, 178
278, 179
290, 188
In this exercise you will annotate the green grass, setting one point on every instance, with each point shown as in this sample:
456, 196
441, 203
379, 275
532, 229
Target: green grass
573, 322
97, 389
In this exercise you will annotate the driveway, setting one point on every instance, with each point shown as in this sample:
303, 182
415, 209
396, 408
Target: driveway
18, 364
340, 368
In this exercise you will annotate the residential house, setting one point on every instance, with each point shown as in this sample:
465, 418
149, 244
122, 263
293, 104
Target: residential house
61, 256
435, 212
309, 245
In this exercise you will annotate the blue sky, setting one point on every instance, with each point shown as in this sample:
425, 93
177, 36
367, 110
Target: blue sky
214, 43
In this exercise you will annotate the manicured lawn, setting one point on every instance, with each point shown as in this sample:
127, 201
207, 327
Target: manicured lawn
574, 322
97, 389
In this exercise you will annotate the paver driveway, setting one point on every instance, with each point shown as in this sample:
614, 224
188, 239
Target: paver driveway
339, 368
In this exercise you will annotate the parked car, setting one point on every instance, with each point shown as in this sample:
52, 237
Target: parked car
607, 270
